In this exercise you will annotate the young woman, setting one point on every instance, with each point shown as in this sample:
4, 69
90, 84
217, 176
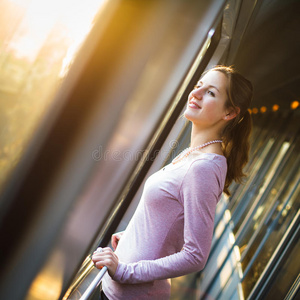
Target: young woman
171, 231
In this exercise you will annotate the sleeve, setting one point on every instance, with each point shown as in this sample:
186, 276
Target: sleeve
199, 194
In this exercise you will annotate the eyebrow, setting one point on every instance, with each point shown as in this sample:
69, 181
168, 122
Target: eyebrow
212, 86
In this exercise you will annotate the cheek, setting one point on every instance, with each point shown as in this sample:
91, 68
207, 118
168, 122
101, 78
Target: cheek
214, 109
211, 106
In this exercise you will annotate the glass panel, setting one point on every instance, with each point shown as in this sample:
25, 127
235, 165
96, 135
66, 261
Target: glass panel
241, 195
261, 133
260, 188
260, 137
228, 270
216, 261
38, 42
255, 262
274, 199
231, 286
286, 275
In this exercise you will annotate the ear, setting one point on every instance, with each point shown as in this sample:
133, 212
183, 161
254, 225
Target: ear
231, 113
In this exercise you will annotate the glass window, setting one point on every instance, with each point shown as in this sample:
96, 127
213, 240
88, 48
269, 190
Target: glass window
246, 191
274, 199
258, 189
255, 262
285, 275
268, 205
38, 42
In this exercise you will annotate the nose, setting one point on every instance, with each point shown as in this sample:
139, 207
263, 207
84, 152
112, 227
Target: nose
198, 92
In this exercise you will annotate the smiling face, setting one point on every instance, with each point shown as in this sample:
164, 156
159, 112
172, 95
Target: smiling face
207, 102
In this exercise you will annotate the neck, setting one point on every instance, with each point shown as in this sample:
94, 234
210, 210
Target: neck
199, 137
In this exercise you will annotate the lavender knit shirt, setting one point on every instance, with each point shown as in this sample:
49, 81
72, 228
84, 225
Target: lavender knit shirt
171, 231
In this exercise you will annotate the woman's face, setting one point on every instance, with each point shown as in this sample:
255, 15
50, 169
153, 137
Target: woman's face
206, 103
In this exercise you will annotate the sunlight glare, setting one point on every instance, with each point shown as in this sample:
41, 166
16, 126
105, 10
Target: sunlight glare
73, 17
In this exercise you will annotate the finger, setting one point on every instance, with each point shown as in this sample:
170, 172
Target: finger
97, 254
107, 249
99, 265
98, 261
102, 254
115, 238
114, 241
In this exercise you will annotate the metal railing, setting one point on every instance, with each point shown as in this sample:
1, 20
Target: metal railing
89, 291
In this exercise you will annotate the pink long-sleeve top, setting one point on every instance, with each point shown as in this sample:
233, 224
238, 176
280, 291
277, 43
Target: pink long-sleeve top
171, 230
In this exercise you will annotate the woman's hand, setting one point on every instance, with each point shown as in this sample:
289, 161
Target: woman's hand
115, 239
106, 257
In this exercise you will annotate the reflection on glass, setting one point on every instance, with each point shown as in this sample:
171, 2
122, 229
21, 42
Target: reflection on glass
270, 238
256, 137
265, 208
276, 197
245, 192
259, 189
38, 42
285, 275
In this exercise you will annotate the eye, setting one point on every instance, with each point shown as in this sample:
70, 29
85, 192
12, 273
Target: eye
196, 86
211, 93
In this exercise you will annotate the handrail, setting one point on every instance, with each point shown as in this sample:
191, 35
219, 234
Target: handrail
88, 292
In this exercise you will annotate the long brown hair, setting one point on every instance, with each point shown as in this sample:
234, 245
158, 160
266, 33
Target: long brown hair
236, 134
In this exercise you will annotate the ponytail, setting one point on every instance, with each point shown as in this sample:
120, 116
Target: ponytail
236, 146
236, 134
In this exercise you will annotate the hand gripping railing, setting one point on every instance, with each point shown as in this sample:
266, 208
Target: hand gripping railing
88, 292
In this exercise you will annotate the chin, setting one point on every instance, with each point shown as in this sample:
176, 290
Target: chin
187, 114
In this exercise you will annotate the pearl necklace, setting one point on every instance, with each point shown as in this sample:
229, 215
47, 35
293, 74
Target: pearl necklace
189, 150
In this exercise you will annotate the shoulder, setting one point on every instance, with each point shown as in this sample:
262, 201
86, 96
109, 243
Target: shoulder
207, 171
208, 162
204, 179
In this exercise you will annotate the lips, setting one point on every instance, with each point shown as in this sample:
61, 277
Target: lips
193, 104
